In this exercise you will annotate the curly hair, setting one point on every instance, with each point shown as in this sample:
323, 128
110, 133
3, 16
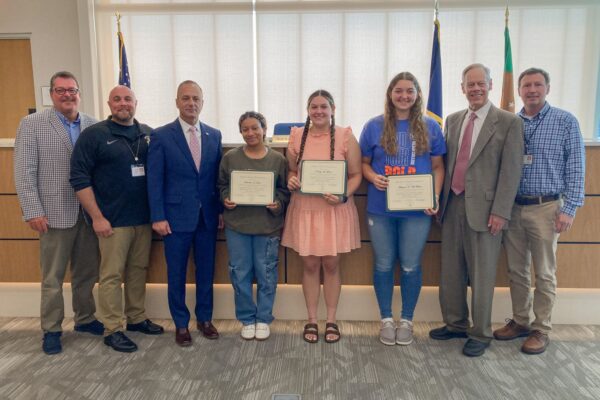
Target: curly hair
417, 127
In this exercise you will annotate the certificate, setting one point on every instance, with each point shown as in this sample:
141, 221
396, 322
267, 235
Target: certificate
252, 188
319, 177
410, 192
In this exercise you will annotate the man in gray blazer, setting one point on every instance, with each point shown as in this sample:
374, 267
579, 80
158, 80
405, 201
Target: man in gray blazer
485, 152
43, 149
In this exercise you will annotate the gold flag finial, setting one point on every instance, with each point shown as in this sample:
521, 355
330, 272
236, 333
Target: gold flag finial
437, 9
118, 15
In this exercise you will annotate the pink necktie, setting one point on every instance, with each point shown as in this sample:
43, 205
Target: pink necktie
195, 147
462, 159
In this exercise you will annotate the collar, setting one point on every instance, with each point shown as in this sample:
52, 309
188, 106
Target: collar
541, 114
65, 120
186, 127
482, 112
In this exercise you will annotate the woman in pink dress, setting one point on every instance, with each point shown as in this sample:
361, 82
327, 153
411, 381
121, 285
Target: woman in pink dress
320, 227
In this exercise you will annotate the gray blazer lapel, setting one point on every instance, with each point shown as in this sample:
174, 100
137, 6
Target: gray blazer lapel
453, 140
485, 134
60, 129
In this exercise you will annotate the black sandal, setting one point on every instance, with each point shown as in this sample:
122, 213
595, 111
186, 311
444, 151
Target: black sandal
331, 329
311, 329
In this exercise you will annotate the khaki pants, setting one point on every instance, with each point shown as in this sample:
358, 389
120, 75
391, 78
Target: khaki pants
531, 236
78, 245
125, 256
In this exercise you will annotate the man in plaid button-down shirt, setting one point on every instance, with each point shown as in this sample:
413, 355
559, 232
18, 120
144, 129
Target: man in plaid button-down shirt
43, 149
551, 190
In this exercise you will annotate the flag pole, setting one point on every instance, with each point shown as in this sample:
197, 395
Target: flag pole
434, 99
507, 101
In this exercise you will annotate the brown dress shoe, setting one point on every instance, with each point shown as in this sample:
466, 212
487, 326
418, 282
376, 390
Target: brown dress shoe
536, 342
183, 337
208, 330
511, 331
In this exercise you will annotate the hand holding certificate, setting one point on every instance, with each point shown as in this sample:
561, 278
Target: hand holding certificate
252, 188
410, 192
320, 177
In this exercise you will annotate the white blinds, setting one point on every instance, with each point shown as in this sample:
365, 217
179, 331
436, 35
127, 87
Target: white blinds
349, 48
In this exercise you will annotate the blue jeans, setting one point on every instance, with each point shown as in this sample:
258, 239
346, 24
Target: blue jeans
250, 257
403, 239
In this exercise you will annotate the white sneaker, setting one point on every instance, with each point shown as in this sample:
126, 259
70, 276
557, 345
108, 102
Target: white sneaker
262, 331
387, 333
249, 331
404, 332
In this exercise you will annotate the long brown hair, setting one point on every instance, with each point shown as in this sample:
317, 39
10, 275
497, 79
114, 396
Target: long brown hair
418, 129
327, 96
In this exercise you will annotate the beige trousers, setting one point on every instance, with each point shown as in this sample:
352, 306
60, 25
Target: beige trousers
531, 237
57, 247
125, 256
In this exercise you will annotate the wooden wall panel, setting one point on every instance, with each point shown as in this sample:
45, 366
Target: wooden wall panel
578, 252
13, 226
20, 261
16, 79
7, 180
592, 170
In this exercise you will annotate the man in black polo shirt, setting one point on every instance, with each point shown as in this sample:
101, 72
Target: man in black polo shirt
108, 173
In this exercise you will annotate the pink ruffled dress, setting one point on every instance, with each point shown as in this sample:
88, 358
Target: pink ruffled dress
312, 226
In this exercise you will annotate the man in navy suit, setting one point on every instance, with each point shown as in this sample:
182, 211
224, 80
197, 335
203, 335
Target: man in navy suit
183, 165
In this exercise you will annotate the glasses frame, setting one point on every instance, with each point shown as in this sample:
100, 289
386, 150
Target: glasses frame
61, 90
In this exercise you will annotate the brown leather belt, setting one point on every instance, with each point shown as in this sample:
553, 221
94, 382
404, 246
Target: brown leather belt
531, 200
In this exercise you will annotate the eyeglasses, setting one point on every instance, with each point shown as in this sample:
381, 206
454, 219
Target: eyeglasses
60, 91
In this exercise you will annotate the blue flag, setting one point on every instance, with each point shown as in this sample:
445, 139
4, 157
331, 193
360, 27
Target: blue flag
123, 67
434, 101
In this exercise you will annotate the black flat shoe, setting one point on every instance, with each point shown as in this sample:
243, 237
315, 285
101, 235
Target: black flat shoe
119, 342
148, 327
444, 334
474, 348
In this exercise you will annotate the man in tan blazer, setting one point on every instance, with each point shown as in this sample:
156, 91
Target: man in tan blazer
485, 152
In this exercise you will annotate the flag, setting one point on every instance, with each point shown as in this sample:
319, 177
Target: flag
123, 67
434, 100
507, 101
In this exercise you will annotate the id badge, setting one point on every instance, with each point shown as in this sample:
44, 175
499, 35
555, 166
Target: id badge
137, 170
527, 159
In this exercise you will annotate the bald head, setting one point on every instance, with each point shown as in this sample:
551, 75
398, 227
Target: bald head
122, 104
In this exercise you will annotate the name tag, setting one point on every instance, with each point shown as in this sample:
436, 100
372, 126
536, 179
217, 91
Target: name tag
527, 159
138, 170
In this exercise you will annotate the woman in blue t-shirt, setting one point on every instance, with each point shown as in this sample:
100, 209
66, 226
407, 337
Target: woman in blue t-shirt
400, 142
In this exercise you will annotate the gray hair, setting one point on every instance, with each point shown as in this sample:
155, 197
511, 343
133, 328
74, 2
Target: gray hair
486, 70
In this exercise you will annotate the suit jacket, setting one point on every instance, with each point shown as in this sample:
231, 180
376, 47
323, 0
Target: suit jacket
176, 191
494, 169
42, 167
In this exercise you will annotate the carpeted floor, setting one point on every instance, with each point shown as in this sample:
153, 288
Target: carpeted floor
357, 367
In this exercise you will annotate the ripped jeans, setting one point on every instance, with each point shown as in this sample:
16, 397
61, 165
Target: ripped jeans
403, 239
253, 257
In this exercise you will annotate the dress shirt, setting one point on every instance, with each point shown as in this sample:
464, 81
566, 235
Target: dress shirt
73, 128
186, 130
553, 139
477, 124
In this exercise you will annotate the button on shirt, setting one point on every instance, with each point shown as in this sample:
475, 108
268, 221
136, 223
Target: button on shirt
72, 128
186, 130
553, 139
477, 124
